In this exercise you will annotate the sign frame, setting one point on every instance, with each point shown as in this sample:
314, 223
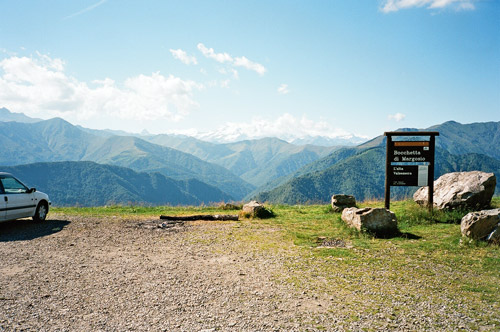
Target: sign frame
410, 152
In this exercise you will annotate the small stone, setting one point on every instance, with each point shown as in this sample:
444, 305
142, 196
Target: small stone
340, 202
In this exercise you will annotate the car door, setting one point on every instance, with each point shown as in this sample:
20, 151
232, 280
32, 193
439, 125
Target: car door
3, 203
19, 200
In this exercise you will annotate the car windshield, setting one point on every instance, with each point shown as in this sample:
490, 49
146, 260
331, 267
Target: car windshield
12, 185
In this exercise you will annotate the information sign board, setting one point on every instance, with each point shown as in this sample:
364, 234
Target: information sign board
410, 163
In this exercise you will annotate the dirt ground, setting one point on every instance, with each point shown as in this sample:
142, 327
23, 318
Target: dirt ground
88, 274
74, 273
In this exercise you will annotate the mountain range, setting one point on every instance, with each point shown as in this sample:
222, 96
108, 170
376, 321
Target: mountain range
197, 171
360, 171
57, 140
255, 161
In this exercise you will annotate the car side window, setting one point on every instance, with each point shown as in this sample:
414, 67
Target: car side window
13, 186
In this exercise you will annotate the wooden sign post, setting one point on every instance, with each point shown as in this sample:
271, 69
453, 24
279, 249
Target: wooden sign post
410, 163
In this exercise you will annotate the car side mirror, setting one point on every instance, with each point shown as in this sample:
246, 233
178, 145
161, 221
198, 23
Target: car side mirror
31, 190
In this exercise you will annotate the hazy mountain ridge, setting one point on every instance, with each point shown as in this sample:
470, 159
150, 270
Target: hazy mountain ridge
143, 156
8, 116
58, 140
255, 161
457, 138
49, 140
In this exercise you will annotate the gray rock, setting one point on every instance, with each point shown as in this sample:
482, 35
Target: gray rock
340, 202
460, 190
376, 220
482, 225
255, 209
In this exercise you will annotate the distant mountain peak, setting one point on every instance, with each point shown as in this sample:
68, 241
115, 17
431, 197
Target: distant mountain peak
8, 116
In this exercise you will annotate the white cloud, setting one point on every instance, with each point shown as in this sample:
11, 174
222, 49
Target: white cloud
40, 87
286, 126
283, 89
236, 62
395, 5
250, 65
182, 55
210, 53
398, 117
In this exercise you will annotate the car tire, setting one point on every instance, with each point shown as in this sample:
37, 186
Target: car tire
41, 212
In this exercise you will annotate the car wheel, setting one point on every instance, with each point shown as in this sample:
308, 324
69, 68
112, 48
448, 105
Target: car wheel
41, 212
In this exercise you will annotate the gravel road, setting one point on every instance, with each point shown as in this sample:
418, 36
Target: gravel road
76, 273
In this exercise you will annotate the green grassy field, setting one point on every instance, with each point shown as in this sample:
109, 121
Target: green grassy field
427, 265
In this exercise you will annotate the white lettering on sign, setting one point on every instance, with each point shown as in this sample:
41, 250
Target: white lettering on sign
407, 153
412, 159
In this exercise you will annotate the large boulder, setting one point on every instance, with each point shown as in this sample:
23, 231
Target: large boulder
255, 209
482, 225
340, 202
374, 220
460, 190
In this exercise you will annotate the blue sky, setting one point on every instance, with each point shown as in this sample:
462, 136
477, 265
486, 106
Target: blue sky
262, 68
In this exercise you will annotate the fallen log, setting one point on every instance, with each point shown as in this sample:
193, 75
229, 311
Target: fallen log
201, 217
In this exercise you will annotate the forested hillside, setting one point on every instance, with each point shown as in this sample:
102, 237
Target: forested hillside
91, 184
363, 175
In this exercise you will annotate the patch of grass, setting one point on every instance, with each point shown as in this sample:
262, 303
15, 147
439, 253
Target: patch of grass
495, 202
131, 210
335, 252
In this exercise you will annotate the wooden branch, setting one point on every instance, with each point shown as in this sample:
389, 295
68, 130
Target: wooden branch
201, 217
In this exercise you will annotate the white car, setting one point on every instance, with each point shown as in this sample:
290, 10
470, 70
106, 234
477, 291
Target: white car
18, 201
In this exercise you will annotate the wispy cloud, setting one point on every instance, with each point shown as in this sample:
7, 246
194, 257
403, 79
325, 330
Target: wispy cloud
234, 61
395, 5
183, 57
250, 65
88, 9
41, 86
210, 53
283, 89
398, 117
